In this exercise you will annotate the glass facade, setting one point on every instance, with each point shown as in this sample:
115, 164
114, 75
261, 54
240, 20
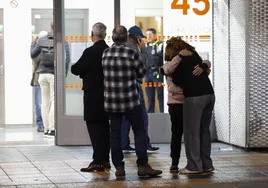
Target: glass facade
74, 21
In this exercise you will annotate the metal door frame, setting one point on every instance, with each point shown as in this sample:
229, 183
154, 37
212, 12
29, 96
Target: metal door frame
2, 74
70, 130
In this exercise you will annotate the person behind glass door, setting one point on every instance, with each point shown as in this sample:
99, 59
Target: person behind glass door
45, 48
89, 68
35, 84
136, 43
122, 68
175, 99
155, 61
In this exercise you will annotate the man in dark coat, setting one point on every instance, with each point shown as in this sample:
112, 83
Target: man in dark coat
89, 68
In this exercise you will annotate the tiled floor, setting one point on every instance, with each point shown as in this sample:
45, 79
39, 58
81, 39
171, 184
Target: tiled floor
48, 166
22, 135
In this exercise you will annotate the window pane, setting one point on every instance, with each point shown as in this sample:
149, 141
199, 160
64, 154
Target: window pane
79, 18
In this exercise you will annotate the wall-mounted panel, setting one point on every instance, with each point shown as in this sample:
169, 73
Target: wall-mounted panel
258, 75
221, 77
238, 19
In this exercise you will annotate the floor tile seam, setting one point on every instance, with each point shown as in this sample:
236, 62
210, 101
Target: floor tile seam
23, 154
75, 170
6, 174
36, 167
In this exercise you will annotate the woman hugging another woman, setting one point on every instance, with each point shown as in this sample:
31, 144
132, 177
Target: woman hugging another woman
191, 101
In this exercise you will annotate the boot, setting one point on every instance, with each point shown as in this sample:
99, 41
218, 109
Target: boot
146, 170
120, 171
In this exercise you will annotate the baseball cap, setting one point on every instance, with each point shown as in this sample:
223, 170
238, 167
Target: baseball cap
135, 30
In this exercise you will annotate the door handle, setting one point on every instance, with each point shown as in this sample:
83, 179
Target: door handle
1, 70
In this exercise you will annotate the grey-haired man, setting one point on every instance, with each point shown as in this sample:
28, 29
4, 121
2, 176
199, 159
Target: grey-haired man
89, 68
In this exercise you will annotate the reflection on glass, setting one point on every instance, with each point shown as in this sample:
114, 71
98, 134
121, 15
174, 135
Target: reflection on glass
77, 37
73, 84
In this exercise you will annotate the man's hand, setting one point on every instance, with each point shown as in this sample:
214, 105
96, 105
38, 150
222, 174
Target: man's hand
141, 44
197, 70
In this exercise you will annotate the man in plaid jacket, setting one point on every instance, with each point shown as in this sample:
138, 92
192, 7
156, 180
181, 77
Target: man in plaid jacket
122, 68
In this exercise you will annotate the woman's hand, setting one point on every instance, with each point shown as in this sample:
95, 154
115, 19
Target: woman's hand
197, 70
185, 53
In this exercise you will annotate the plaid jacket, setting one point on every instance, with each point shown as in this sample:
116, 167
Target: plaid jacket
121, 68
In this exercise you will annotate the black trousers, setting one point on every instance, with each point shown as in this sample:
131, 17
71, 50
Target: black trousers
99, 133
176, 117
135, 117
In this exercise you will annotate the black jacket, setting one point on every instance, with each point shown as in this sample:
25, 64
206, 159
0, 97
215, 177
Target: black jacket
89, 68
192, 85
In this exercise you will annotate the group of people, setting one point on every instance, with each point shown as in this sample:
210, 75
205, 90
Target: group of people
114, 100
112, 78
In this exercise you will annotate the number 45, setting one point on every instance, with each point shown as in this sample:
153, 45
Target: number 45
185, 6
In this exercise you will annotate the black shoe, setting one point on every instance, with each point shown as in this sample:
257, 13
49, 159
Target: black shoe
39, 129
153, 149
93, 168
45, 133
147, 170
120, 172
129, 148
106, 165
174, 169
51, 133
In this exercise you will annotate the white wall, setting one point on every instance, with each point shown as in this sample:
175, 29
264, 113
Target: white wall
17, 40
175, 23
132, 8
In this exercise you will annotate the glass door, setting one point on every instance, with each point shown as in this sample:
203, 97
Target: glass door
2, 78
73, 23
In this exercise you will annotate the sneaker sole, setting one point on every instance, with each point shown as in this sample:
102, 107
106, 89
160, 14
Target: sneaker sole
209, 170
92, 170
174, 171
152, 151
192, 172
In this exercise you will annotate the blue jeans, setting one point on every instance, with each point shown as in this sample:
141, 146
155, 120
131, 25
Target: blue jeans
135, 117
150, 91
125, 141
37, 102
